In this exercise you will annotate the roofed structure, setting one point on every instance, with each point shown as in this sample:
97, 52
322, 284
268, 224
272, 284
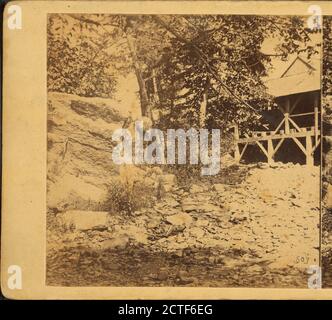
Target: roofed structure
300, 76
297, 94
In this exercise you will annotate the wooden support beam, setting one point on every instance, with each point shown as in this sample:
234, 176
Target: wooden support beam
236, 132
301, 114
309, 151
286, 115
282, 135
237, 155
278, 146
270, 151
262, 148
279, 126
299, 144
316, 145
294, 124
243, 150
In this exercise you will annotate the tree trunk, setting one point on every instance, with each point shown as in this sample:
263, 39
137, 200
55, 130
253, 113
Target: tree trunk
203, 106
145, 104
155, 87
202, 111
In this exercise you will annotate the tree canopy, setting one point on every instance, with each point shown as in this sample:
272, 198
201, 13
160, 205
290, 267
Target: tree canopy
187, 67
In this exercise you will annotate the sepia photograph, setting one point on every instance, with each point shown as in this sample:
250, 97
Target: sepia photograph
166, 150
185, 151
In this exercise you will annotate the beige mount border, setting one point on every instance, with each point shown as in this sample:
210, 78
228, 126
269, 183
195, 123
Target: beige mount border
24, 148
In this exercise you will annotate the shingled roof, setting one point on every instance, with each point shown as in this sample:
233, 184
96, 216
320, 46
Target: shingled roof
300, 76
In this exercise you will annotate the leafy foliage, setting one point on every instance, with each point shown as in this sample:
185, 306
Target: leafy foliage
126, 198
224, 60
178, 60
76, 63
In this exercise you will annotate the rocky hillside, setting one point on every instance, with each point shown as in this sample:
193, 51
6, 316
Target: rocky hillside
262, 231
251, 224
79, 150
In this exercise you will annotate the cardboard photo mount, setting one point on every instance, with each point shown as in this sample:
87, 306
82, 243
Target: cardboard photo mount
23, 234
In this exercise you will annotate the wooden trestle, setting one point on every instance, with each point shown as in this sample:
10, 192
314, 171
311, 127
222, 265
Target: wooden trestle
269, 142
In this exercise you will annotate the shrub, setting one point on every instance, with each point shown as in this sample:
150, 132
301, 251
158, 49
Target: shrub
125, 197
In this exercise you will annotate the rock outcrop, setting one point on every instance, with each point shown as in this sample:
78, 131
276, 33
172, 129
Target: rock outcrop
79, 158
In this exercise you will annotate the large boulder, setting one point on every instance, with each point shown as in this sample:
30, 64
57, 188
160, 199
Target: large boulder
115, 243
84, 220
79, 158
180, 219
